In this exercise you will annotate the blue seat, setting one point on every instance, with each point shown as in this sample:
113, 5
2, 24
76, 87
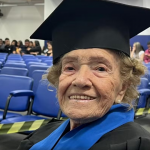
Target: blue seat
25, 58
32, 60
37, 77
46, 58
15, 65
14, 71
4, 54
19, 59
2, 60
2, 57
143, 84
144, 93
10, 83
36, 67
147, 76
1, 63
48, 62
28, 56
15, 61
36, 63
147, 65
45, 103
14, 55
41, 56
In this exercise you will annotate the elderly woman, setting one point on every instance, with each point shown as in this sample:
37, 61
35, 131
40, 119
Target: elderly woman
95, 78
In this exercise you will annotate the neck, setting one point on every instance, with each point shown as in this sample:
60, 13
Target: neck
74, 124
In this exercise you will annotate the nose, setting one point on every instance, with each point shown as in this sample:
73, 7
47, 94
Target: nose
82, 79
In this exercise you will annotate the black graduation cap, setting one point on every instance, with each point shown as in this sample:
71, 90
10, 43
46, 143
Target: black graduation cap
82, 24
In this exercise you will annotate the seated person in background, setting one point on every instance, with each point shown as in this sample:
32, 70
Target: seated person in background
2, 45
25, 47
36, 49
137, 51
147, 54
9, 48
19, 47
14, 43
95, 78
31, 44
48, 51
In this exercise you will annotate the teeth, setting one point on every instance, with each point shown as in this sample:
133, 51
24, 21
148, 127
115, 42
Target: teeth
77, 97
81, 97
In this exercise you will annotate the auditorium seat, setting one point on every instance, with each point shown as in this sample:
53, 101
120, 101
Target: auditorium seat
28, 56
9, 83
48, 62
36, 63
36, 67
32, 60
4, 54
25, 58
46, 58
45, 103
144, 93
37, 77
2, 57
40, 56
147, 76
1, 63
14, 71
14, 57
19, 59
16, 65
15, 61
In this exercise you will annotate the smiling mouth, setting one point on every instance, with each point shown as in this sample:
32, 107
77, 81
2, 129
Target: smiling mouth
81, 97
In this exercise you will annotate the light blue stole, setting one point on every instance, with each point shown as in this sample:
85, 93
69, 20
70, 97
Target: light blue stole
85, 136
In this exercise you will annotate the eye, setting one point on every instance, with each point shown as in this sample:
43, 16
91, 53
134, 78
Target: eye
69, 68
101, 69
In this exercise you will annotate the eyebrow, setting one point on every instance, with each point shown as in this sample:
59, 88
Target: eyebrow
70, 58
91, 59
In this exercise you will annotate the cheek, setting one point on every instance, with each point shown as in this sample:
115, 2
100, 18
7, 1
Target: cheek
107, 89
64, 83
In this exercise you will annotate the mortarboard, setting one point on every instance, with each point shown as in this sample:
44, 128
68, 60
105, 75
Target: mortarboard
82, 24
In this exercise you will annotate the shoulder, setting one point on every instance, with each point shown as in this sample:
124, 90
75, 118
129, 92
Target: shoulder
44, 131
141, 52
127, 132
39, 135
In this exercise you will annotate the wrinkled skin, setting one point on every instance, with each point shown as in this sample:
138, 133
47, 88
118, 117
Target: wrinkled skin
89, 72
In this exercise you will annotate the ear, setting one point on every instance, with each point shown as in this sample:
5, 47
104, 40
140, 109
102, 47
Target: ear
121, 93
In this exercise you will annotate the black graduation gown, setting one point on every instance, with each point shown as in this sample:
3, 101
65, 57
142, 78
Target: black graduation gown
130, 136
9, 49
24, 49
36, 49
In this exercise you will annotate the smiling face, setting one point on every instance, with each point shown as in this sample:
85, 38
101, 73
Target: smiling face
89, 84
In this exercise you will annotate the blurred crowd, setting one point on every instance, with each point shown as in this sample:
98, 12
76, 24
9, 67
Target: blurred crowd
137, 51
28, 47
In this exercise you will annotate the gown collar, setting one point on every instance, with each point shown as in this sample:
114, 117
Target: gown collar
85, 136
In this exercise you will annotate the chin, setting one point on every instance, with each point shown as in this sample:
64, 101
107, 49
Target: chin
80, 117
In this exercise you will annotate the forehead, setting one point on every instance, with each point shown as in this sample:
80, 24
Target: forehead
93, 54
